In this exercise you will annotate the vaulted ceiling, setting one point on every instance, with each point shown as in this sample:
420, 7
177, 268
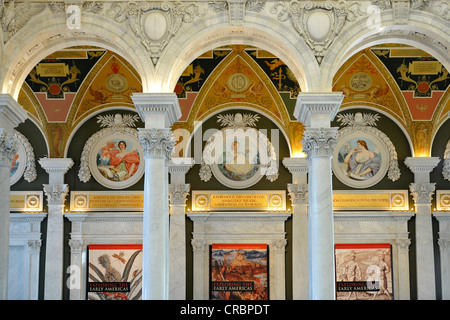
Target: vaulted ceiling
70, 85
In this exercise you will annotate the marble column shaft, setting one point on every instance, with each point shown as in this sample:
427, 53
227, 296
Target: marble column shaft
319, 145
11, 115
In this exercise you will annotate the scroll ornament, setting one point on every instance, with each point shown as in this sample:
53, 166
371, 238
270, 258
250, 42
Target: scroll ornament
30, 169
446, 168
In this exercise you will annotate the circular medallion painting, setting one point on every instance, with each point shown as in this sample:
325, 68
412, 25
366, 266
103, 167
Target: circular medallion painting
116, 160
239, 164
239, 158
360, 160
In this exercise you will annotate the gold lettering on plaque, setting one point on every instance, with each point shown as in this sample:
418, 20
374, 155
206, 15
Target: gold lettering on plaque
361, 200
238, 200
116, 201
52, 69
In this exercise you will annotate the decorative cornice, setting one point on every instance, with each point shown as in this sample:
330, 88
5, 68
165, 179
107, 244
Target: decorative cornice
157, 143
150, 105
421, 164
296, 165
56, 165
322, 106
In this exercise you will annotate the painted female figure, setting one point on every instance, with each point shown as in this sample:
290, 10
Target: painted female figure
362, 163
122, 163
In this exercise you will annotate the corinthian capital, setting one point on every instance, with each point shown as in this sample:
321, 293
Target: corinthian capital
422, 192
157, 143
56, 193
178, 193
298, 193
319, 141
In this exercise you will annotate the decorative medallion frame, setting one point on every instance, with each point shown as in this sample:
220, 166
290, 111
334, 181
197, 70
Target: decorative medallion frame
103, 150
355, 139
24, 160
251, 153
446, 167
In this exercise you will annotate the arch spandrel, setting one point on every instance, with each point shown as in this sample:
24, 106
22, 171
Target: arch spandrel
260, 31
30, 45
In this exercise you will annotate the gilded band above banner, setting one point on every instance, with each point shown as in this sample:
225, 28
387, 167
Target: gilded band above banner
104, 201
374, 200
239, 200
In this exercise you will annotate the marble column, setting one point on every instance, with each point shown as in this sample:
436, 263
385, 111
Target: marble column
11, 115
55, 191
444, 250
178, 192
422, 191
298, 191
158, 111
316, 111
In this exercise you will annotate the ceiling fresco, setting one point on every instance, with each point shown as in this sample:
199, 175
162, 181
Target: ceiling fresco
69, 85
405, 82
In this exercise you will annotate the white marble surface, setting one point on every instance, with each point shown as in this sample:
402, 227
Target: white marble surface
239, 227
24, 248
380, 227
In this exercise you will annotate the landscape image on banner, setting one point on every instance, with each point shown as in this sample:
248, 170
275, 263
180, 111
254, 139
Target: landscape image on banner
363, 272
115, 272
239, 272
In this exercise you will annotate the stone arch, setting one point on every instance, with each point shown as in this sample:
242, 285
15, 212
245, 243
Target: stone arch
424, 32
28, 46
259, 31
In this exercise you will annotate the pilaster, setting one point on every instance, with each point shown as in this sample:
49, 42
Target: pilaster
56, 192
422, 191
11, 115
178, 193
298, 192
